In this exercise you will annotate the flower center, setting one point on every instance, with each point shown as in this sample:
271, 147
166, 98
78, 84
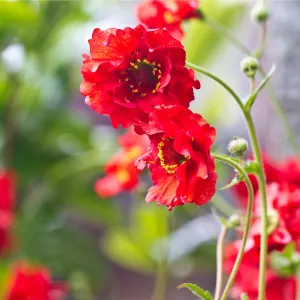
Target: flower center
170, 160
143, 77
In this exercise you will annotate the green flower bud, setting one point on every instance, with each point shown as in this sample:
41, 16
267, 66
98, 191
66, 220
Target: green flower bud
249, 66
234, 221
259, 13
273, 220
238, 147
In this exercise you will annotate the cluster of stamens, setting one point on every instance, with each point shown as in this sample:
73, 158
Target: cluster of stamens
141, 66
170, 168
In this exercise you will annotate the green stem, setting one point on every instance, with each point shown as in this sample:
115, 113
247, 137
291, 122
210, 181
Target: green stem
161, 279
260, 175
223, 31
272, 94
220, 81
264, 216
220, 259
247, 225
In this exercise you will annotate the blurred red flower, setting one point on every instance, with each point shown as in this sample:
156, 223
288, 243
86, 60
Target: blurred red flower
7, 201
182, 169
277, 288
167, 14
34, 283
132, 70
121, 174
287, 171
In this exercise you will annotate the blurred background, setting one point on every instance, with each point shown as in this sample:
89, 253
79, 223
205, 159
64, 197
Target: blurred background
57, 146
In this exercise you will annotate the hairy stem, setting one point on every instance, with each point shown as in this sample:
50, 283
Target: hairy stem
220, 259
264, 216
279, 110
247, 225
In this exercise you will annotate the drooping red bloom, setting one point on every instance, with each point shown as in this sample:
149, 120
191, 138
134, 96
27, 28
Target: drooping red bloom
182, 169
132, 70
34, 283
121, 173
285, 200
287, 171
277, 288
167, 14
7, 201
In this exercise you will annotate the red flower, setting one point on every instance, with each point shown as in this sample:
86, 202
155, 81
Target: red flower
277, 288
168, 14
7, 201
7, 190
285, 200
178, 157
34, 283
287, 171
122, 175
132, 70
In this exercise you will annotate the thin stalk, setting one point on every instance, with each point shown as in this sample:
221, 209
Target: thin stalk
223, 31
220, 81
260, 175
161, 280
263, 41
247, 225
220, 259
226, 33
264, 216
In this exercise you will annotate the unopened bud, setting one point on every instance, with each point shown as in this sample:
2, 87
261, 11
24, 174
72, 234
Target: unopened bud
249, 66
273, 221
234, 221
238, 147
259, 13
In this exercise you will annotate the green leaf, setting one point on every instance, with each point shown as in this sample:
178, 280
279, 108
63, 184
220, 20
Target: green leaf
253, 97
244, 296
220, 218
234, 181
286, 262
196, 290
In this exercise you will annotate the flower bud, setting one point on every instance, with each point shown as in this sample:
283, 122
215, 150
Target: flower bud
249, 66
238, 147
234, 221
259, 13
273, 220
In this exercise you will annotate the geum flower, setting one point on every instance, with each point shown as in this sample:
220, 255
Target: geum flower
283, 218
287, 171
121, 174
168, 14
32, 282
182, 169
246, 281
7, 201
132, 70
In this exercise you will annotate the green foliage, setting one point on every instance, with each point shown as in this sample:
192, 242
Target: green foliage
287, 262
196, 290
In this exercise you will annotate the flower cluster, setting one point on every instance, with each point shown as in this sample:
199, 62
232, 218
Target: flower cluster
167, 14
7, 201
131, 71
138, 77
32, 282
283, 200
121, 173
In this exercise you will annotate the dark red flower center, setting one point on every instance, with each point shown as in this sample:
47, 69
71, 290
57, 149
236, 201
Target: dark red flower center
143, 77
169, 159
